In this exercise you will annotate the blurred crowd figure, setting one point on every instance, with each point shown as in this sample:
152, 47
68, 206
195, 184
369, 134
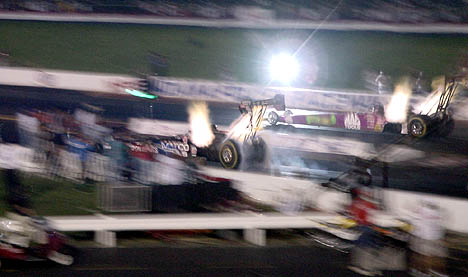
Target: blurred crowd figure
57, 138
381, 82
417, 246
77, 146
378, 82
418, 84
363, 256
365, 201
427, 241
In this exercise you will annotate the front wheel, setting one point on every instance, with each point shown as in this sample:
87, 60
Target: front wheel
273, 118
229, 155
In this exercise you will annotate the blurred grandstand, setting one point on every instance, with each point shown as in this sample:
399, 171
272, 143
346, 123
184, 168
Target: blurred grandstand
385, 11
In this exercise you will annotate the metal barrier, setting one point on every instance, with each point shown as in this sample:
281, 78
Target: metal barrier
124, 198
253, 224
99, 168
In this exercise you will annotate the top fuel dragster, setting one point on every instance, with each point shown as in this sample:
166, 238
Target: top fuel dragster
240, 141
434, 118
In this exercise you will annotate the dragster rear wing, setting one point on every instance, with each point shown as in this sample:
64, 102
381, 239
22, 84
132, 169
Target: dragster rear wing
277, 101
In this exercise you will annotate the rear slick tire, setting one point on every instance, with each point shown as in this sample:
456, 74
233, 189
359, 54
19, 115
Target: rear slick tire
418, 126
229, 155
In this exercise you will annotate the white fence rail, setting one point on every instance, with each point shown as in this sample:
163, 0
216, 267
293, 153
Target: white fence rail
253, 224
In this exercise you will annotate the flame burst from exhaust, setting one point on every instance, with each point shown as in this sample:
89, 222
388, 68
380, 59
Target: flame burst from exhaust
201, 133
396, 110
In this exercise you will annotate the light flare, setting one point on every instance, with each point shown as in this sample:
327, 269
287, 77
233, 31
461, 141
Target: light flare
397, 109
201, 132
284, 68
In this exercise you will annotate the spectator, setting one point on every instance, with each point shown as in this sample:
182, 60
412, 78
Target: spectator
419, 84
28, 129
77, 144
117, 154
379, 81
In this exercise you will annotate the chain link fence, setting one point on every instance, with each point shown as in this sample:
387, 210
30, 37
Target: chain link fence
124, 198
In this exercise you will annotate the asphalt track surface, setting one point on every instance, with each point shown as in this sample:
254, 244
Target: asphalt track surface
195, 261
294, 260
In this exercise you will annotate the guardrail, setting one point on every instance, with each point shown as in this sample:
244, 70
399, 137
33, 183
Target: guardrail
253, 224
235, 23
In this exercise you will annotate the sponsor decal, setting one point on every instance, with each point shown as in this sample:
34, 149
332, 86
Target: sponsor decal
143, 148
176, 147
352, 121
326, 120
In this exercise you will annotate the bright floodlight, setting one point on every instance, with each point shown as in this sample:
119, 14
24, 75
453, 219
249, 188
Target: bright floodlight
283, 68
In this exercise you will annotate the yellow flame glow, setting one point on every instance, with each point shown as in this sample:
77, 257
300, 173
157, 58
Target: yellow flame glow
396, 110
200, 124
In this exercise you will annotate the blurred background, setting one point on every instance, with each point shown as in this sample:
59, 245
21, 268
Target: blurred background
275, 115
331, 59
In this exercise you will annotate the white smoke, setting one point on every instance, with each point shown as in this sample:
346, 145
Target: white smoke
201, 133
429, 104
